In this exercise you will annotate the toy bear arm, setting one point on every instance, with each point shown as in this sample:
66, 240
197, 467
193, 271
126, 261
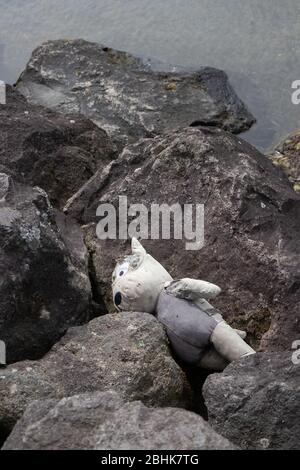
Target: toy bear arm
192, 289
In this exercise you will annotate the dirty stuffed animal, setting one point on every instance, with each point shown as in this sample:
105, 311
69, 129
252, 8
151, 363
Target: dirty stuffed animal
196, 330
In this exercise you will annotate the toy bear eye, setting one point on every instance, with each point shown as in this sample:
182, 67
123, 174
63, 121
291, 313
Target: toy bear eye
122, 270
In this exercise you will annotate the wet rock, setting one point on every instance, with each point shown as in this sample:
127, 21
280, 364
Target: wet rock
44, 283
125, 352
124, 96
252, 225
287, 157
255, 402
44, 148
104, 421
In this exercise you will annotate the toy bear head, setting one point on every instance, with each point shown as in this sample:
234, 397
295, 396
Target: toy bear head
138, 280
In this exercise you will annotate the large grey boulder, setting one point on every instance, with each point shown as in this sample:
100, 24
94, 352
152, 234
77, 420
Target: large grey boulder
103, 421
125, 352
255, 402
44, 282
124, 96
44, 148
252, 225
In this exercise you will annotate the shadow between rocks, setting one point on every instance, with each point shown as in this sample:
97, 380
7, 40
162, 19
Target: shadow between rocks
196, 378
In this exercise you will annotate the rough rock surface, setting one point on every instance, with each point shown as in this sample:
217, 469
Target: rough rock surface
47, 149
124, 96
286, 155
255, 402
44, 284
125, 352
252, 224
103, 421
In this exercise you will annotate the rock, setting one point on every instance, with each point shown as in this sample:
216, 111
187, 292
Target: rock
286, 155
124, 96
252, 225
103, 421
125, 352
44, 283
44, 148
255, 402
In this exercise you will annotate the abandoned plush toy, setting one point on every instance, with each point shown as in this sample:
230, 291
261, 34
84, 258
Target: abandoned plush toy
196, 330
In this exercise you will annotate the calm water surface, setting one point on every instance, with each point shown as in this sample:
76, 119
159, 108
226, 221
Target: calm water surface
257, 42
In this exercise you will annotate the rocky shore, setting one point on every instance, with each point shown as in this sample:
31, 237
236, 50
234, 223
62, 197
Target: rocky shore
85, 124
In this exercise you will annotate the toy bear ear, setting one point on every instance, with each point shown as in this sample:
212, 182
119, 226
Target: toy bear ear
137, 248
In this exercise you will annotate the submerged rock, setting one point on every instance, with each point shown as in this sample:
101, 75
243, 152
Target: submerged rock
124, 96
252, 225
104, 421
286, 156
125, 352
44, 148
44, 282
255, 402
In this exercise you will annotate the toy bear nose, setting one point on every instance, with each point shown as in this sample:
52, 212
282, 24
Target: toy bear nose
118, 298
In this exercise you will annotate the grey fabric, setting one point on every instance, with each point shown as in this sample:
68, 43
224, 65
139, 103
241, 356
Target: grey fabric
208, 308
188, 327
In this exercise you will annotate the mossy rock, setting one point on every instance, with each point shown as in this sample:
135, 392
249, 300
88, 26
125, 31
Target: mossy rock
286, 156
255, 323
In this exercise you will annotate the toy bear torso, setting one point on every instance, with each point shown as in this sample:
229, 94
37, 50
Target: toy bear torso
189, 328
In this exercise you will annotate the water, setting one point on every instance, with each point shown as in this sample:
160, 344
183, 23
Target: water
255, 41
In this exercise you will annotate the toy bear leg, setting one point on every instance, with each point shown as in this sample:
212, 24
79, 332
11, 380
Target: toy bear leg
228, 343
212, 360
241, 333
218, 317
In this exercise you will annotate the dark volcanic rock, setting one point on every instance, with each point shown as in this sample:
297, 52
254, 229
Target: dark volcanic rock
47, 149
125, 352
124, 96
255, 402
286, 155
44, 284
252, 225
103, 421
